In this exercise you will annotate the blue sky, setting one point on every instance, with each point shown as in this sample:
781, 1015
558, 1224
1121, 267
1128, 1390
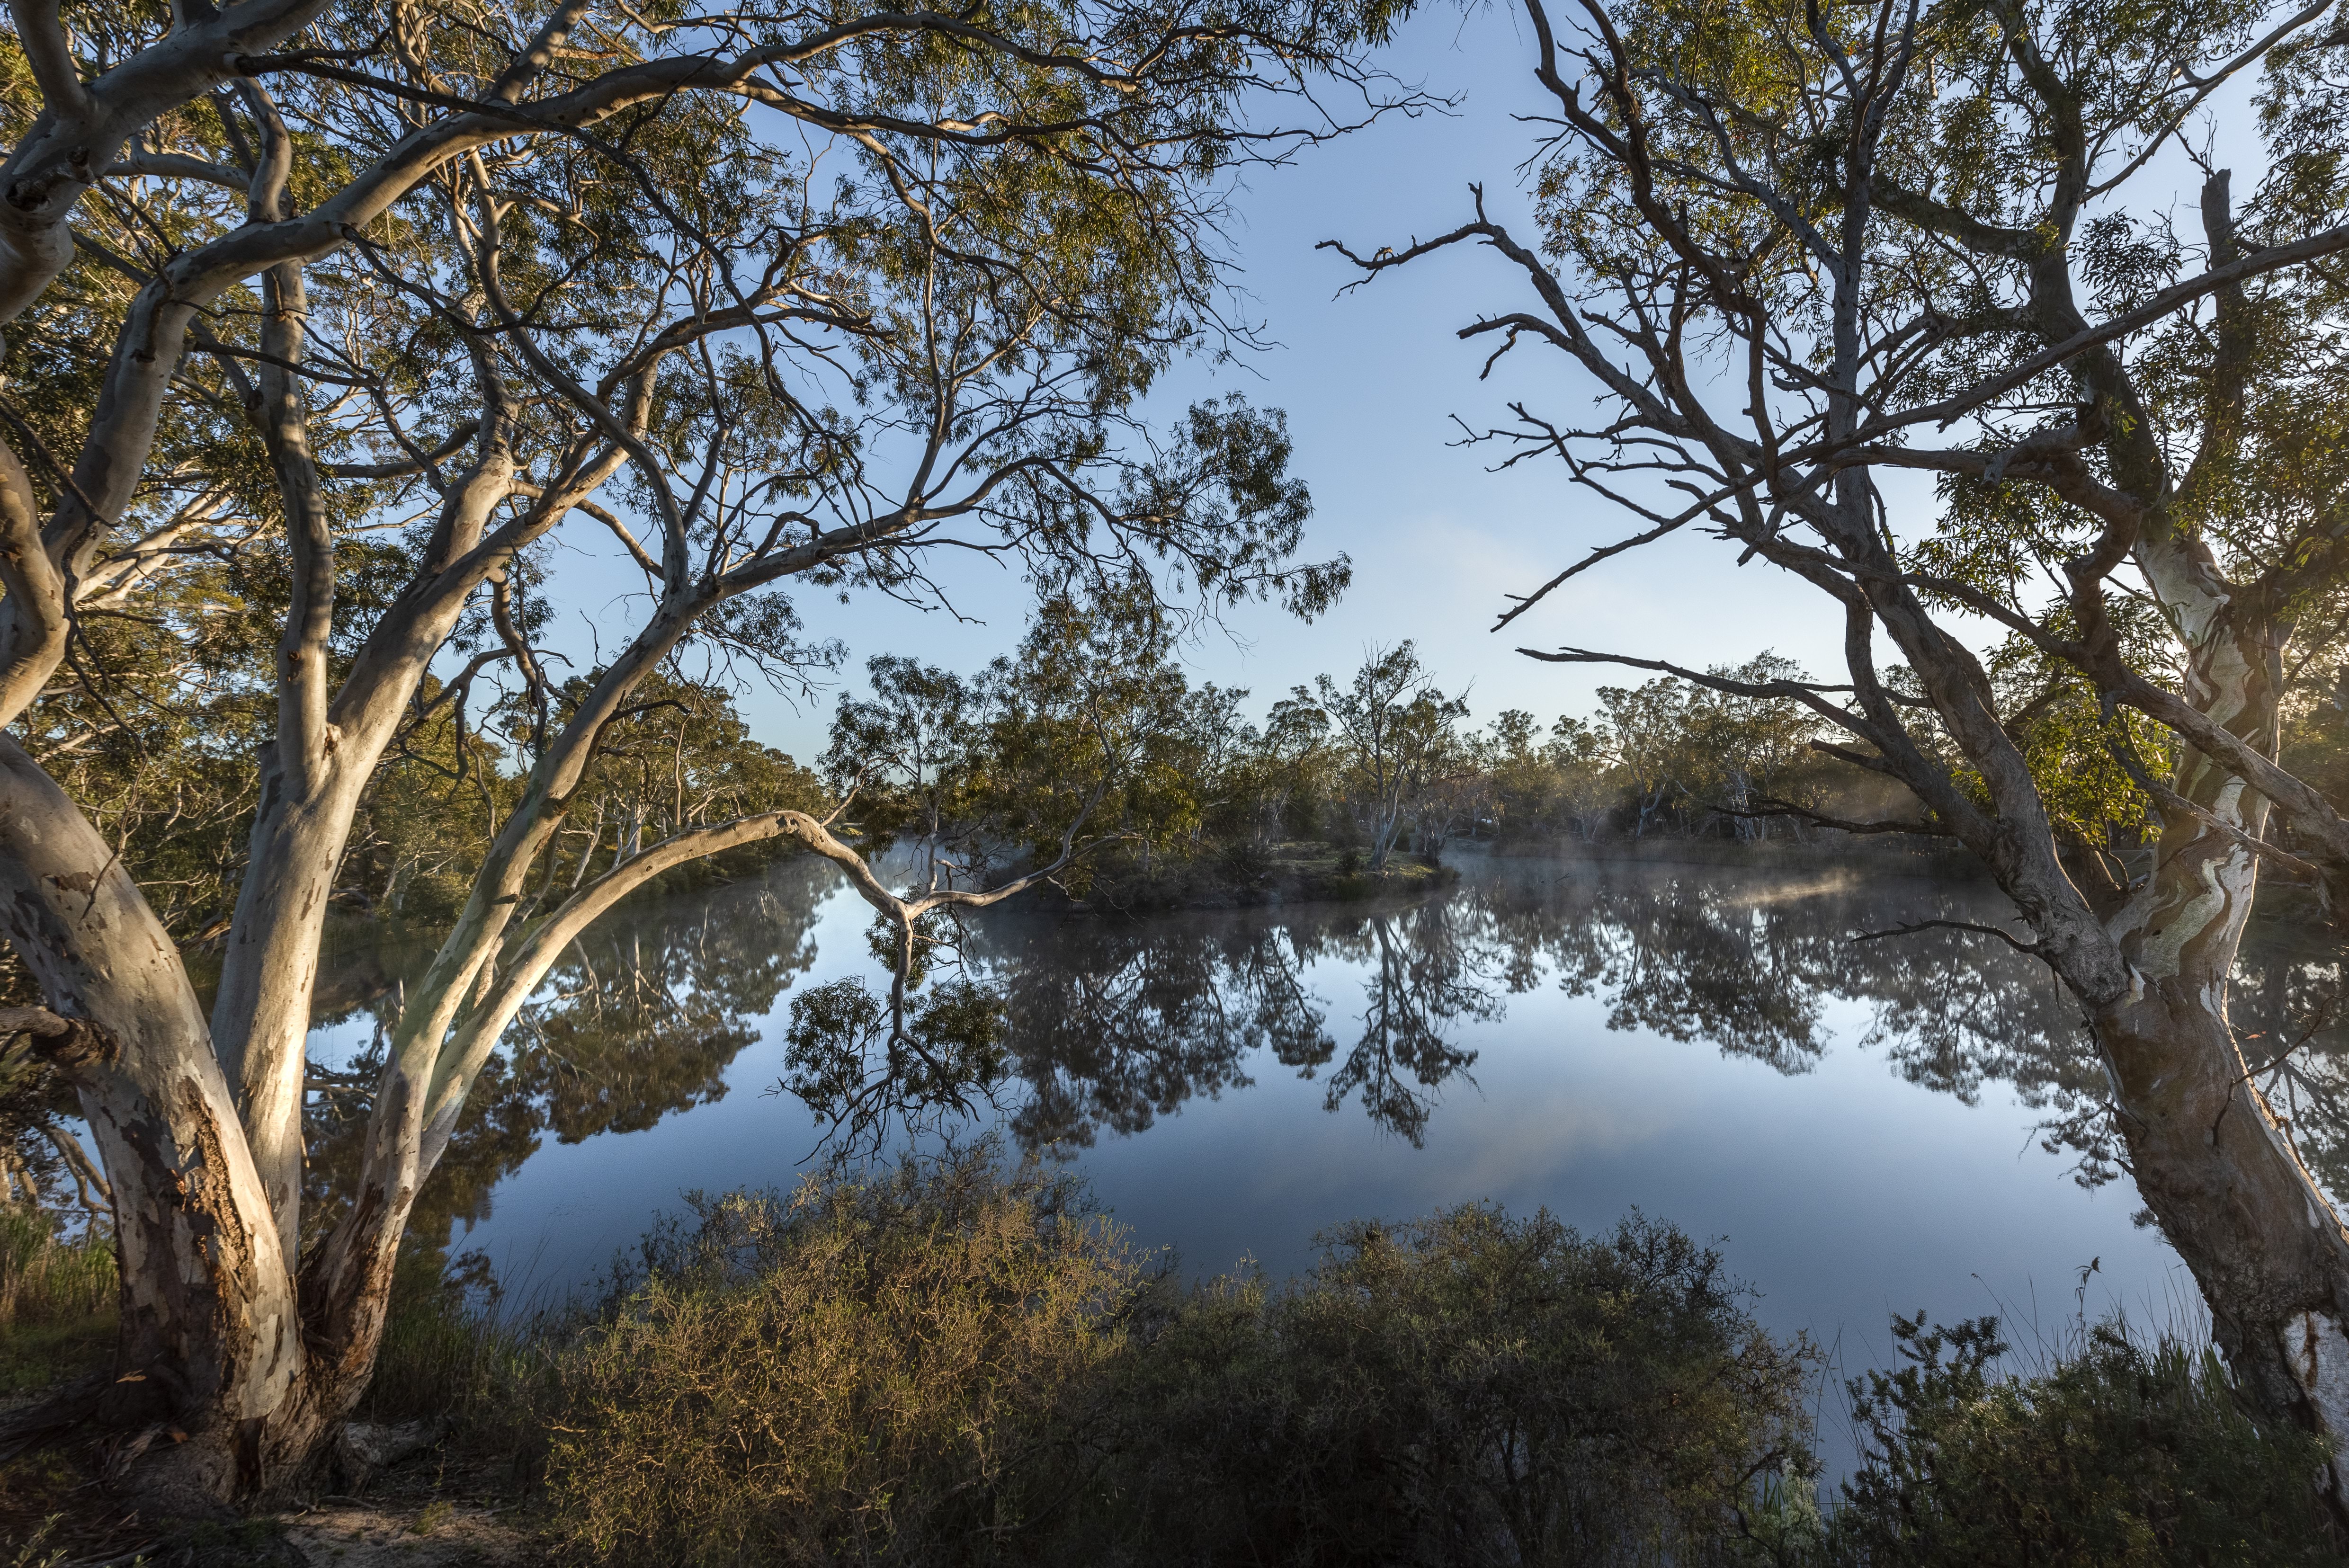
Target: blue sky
1371, 382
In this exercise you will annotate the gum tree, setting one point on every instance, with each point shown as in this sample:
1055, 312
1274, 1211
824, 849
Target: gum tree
399, 313
1790, 247
1397, 733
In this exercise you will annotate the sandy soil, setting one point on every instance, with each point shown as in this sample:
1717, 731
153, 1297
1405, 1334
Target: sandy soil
390, 1532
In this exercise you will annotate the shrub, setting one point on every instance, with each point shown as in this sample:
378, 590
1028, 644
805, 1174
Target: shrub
901, 1370
1245, 863
1465, 1388
2122, 1454
950, 1364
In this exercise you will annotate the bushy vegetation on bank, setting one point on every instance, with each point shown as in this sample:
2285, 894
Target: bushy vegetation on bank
2121, 1452
950, 1363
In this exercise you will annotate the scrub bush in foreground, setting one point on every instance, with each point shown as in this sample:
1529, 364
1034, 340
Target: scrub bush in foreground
1462, 1388
950, 1363
908, 1368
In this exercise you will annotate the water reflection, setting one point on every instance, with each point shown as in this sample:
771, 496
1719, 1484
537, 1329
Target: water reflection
1112, 1024
639, 1020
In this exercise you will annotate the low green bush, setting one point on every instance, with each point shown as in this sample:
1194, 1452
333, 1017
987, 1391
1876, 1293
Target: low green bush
2123, 1453
1464, 1389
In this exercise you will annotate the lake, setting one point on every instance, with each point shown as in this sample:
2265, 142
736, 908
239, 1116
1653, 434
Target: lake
1864, 1127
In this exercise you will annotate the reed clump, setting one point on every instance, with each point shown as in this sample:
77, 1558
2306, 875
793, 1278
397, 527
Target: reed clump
57, 1299
47, 1276
450, 1352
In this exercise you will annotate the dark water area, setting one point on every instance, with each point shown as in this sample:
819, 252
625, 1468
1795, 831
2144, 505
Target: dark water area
1864, 1127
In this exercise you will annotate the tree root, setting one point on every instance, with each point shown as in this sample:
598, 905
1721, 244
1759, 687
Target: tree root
362, 1448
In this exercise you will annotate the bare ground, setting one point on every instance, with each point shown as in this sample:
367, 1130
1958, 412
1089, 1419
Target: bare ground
441, 1510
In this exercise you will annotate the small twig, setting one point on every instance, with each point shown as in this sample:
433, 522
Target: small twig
2006, 936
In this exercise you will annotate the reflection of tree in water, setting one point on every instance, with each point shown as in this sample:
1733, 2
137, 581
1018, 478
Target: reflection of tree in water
2294, 1021
1432, 968
1748, 961
1113, 1024
1683, 957
640, 1019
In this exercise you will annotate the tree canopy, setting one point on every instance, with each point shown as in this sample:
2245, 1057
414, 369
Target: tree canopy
347, 339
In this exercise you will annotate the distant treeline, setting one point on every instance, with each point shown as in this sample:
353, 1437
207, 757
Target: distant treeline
1092, 732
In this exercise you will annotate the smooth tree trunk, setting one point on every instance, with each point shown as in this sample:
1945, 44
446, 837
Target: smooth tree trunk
2232, 1194
211, 1349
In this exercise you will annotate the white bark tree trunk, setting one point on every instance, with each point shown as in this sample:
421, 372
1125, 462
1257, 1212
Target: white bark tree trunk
211, 1343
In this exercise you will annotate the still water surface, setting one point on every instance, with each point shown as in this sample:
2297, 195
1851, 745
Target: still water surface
1861, 1125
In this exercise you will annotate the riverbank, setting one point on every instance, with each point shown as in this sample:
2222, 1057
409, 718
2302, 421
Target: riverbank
364, 955
955, 1362
1899, 853
1259, 876
1253, 876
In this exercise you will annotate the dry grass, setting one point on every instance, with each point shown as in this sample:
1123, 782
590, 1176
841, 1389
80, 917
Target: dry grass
57, 1302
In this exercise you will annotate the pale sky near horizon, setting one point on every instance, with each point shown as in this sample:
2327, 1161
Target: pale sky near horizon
1371, 382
